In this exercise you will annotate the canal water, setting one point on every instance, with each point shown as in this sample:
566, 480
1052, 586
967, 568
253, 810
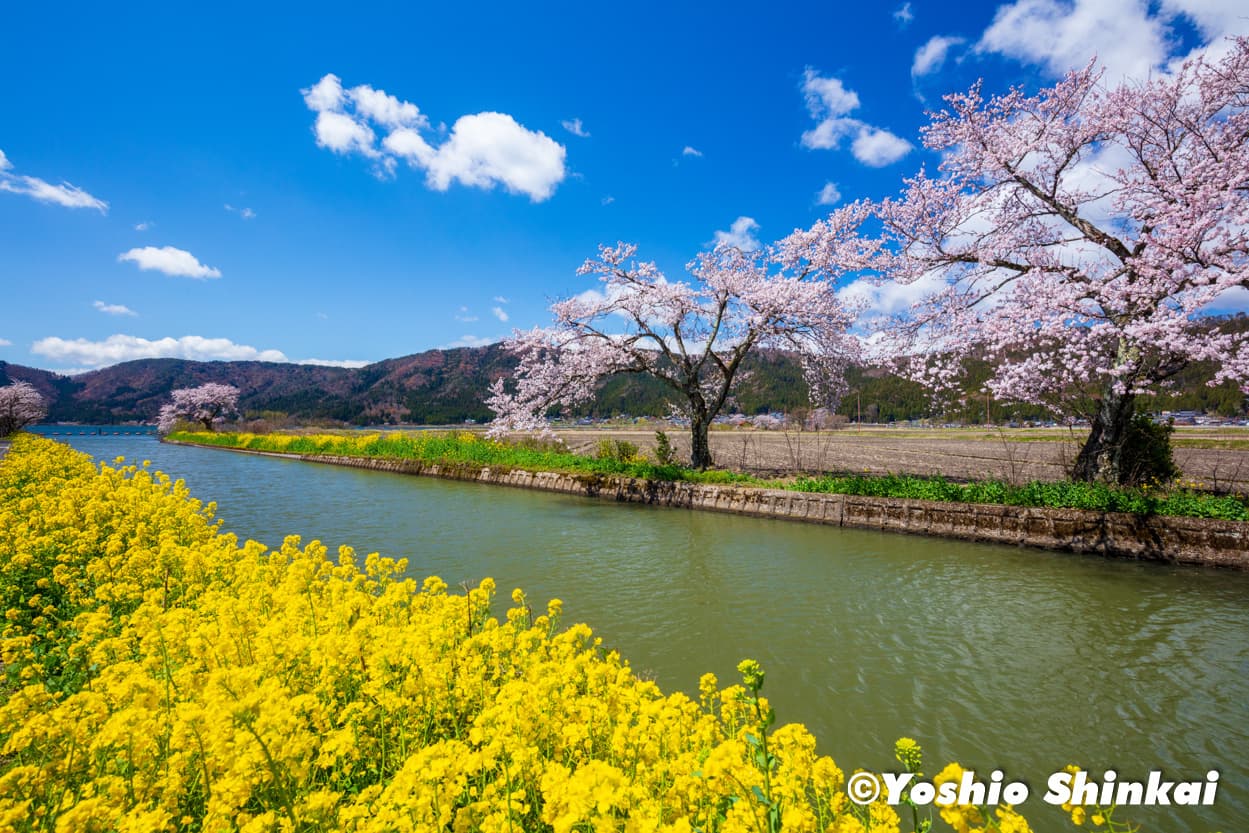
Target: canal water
997, 657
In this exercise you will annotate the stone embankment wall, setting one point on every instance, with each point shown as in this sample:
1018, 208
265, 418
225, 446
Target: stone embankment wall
1160, 538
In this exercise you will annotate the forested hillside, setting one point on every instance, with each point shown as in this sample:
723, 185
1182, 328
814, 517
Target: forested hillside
449, 386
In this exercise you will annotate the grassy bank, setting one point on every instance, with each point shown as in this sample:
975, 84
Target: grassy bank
465, 448
1059, 495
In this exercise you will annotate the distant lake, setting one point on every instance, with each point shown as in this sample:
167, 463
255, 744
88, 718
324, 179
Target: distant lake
994, 656
93, 430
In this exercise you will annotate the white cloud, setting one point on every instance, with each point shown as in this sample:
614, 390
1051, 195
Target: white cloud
481, 150
607, 200
323, 316
576, 128
931, 56
1235, 299
70, 196
903, 14
595, 297
498, 313
827, 135
828, 194
876, 148
386, 110
491, 148
65, 194
113, 309
410, 145
1215, 19
343, 134
463, 315
335, 362
325, 95
124, 348
1060, 35
830, 102
245, 213
740, 235
689, 151
827, 97
143, 226
1131, 38
469, 341
888, 298
4, 342
169, 260
499, 299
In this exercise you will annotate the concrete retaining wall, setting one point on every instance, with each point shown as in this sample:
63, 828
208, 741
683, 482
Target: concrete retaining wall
1159, 538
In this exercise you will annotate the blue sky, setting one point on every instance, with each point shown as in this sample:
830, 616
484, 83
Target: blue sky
185, 181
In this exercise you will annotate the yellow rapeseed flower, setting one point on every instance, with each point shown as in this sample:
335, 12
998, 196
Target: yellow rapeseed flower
163, 675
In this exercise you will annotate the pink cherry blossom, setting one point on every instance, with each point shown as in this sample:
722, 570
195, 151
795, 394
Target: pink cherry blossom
1076, 238
207, 404
20, 405
692, 335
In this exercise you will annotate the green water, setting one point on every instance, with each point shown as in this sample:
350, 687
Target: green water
993, 656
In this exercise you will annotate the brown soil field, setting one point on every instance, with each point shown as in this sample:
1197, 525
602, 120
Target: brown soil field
1015, 456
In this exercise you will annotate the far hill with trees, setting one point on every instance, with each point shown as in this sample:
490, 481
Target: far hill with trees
443, 387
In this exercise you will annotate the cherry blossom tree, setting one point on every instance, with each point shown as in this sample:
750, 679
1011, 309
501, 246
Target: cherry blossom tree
20, 405
207, 404
1076, 238
691, 335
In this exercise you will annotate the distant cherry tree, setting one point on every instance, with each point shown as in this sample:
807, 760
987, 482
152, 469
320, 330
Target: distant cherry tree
207, 404
1076, 239
691, 335
20, 405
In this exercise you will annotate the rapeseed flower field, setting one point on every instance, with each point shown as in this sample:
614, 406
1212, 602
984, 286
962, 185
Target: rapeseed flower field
160, 675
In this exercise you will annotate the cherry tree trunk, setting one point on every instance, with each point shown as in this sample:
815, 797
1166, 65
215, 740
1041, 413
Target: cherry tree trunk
1101, 458
700, 446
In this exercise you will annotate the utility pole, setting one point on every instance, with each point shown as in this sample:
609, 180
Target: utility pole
858, 398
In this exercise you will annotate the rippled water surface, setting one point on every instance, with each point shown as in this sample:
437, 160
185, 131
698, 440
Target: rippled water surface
993, 656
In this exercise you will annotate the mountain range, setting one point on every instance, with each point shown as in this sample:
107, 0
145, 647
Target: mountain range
438, 386
434, 387
441, 387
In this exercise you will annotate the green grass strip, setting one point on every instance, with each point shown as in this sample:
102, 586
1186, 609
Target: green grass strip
462, 448
1056, 495
466, 448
